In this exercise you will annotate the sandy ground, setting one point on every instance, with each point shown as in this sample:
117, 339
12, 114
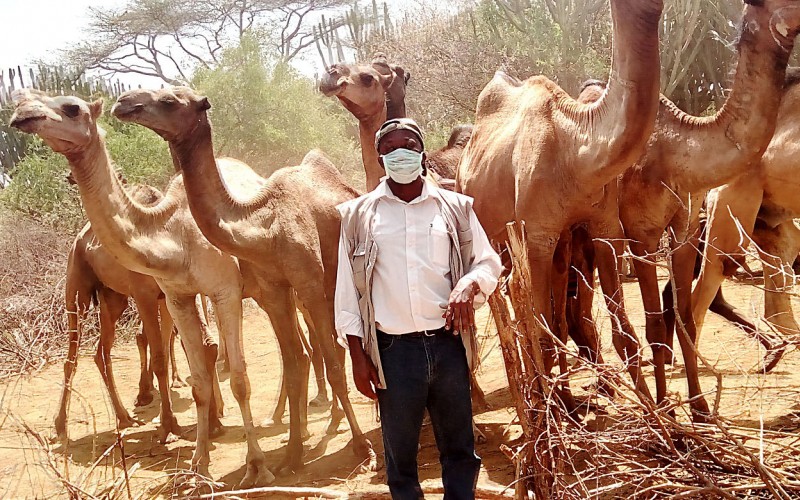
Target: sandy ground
749, 399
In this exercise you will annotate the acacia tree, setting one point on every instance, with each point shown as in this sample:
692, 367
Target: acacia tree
167, 39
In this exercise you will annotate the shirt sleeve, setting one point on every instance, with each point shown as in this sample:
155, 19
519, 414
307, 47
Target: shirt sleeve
345, 301
486, 266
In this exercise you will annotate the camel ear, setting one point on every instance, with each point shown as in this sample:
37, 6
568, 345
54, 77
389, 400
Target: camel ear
400, 71
96, 108
203, 104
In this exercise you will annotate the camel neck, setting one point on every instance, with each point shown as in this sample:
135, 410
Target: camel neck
122, 225
395, 106
613, 132
367, 128
733, 140
218, 215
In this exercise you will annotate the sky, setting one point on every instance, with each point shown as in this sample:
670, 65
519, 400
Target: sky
38, 29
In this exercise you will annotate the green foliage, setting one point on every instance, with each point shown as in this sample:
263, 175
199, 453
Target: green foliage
141, 155
268, 116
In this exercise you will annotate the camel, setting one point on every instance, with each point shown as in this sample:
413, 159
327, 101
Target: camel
685, 157
288, 232
94, 275
538, 156
375, 93
164, 242
758, 205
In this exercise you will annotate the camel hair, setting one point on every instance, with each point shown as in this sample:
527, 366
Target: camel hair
555, 156
95, 276
164, 242
288, 231
374, 93
759, 206
685, 157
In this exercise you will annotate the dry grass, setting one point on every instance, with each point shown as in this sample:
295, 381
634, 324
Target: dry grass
33, 263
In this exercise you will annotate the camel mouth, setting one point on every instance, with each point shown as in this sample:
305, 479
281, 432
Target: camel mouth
330, 85
26, 124
126, 111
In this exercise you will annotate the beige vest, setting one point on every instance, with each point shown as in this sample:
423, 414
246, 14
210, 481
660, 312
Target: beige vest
363, 251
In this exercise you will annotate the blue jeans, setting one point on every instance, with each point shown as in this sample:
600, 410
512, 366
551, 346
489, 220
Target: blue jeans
427, 372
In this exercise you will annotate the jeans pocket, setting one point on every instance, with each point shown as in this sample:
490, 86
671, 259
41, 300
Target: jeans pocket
385, 342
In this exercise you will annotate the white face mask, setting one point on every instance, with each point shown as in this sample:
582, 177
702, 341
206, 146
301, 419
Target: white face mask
403, 165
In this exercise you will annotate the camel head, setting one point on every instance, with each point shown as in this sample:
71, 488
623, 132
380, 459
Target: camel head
173, 112
67, 124
780, 17
364, 89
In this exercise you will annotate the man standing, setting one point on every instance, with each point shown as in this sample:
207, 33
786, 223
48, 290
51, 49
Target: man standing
413, 261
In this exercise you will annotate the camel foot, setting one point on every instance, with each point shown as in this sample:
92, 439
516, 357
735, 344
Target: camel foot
333, 426
60, 436
128, 421
178, 382
270, 421
304, 436
170, 431
320, 401
257, 474
362, 448
700, 413
143, 399
292, 461
773, 357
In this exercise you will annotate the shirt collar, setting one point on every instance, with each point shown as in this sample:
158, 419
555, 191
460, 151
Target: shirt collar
384, 191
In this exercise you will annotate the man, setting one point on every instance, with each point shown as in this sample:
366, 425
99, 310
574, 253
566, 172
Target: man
413, 261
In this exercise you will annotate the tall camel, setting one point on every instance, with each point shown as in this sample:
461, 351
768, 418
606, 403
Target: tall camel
685, 157
762, 202
536, 155
288, 232
374, 93
94, 275
164, 242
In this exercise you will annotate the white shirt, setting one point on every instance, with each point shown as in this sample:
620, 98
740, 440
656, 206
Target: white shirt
411, 279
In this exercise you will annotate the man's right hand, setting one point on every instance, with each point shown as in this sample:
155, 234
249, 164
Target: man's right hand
364, 373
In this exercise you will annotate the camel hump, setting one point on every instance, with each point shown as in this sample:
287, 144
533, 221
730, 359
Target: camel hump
242, 181
460, 135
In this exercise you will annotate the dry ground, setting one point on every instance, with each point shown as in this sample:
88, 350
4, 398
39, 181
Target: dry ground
750, 399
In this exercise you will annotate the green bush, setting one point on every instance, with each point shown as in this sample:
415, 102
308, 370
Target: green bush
267, 115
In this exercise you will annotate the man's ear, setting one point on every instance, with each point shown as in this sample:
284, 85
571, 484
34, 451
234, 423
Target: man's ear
96, 108
380, 160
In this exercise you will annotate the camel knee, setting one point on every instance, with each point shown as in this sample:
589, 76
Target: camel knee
201, 389
158, 363
240, 385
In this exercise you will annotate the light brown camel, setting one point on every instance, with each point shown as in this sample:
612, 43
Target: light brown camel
685, 157
374, 93
288, 232
538, 156
164, 242
759, 204
94, 275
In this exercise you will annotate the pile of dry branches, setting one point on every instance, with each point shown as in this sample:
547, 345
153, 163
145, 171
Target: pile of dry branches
622, 447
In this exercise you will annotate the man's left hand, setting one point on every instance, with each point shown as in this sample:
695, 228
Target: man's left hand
460, 314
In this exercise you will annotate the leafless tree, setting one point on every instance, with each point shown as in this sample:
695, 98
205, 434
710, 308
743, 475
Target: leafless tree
168, 38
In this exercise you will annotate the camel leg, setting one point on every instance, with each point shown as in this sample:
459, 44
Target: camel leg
112, 305
148, 311
779, 246
145, 395
743, 200
560, 276
313, 348
186, 315
320, 307
624, 337
78, 300
279, 304
683, 261
167, 336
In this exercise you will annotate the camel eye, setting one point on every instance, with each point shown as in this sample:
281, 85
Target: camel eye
71, 110
366, 79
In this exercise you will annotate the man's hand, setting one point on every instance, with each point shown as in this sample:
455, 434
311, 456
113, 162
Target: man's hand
460, 315
364, 373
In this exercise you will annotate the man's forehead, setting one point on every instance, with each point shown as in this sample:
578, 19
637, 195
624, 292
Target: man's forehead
399, 138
